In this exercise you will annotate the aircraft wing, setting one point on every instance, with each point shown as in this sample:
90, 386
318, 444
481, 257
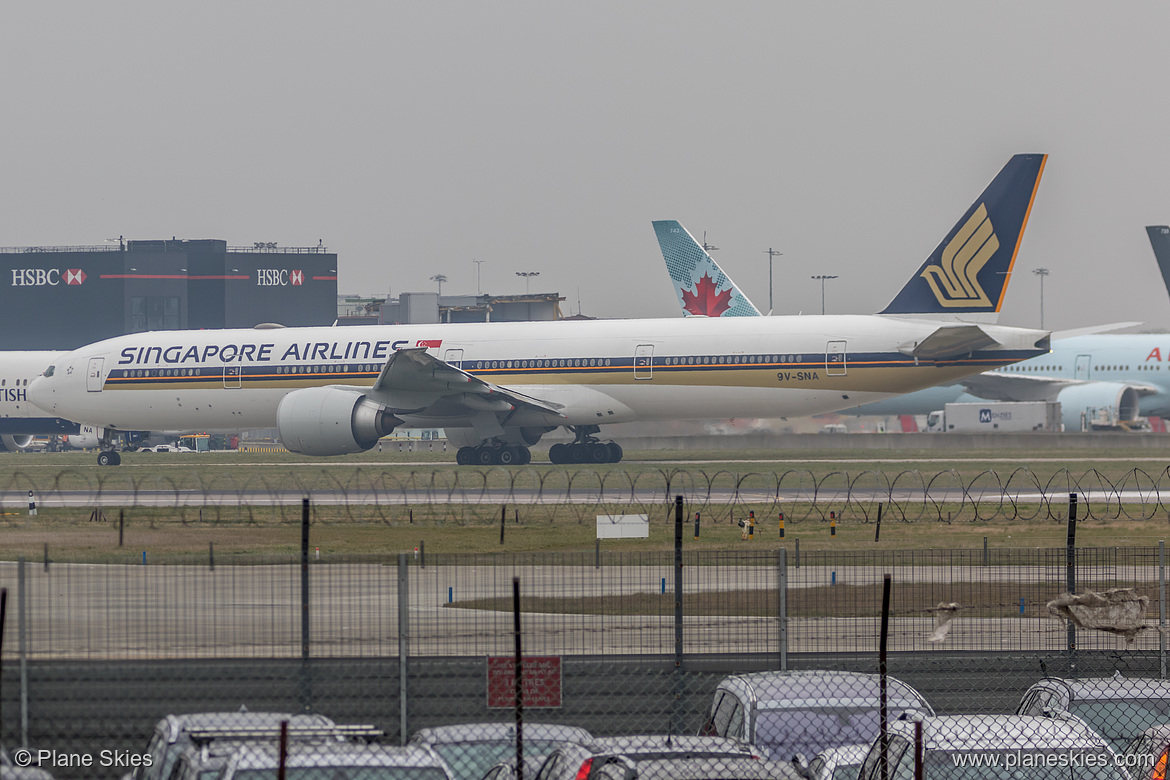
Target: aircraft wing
413, 381
995, 386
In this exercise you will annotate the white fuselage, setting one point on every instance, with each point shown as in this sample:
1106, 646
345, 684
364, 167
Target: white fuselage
603, 371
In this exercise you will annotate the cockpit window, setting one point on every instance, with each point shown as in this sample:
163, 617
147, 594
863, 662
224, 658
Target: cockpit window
49, 371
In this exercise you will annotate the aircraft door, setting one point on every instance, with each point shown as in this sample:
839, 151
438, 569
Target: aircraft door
95, 375
231, 376
835, 362
1082, 367
453, 357
644, 361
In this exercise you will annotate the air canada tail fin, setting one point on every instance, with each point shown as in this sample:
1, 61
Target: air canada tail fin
702, 287
1160, 241
966, 276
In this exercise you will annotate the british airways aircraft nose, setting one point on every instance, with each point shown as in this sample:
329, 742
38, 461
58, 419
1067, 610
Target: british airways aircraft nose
40, 391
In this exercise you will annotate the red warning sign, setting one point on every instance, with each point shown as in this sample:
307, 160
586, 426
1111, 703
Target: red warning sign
541, 685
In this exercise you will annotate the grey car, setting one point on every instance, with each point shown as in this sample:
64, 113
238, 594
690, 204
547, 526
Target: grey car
471, 749
1147, 757
698, 768
574, 761
839, 763
1118, 708
795, 715
996, 747
335, 761
10, 771
172, 734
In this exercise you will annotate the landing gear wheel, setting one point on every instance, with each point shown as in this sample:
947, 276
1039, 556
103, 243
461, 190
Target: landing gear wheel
465, 456
597, 453
109, 458
615, 452
509, 456
525, 456
557, 454
487, 456
577, 452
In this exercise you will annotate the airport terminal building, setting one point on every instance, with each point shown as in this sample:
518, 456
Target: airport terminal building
66, 297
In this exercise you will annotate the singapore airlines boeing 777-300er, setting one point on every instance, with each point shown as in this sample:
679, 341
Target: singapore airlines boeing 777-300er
498, 387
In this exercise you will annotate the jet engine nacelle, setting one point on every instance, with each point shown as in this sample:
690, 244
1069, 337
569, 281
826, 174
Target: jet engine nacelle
14, 443
331, 421
1121, 399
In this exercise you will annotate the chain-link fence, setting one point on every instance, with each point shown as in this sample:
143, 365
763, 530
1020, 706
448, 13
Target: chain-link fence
615, 643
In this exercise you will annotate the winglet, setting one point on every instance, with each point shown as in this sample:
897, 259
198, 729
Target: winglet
967, 274
703, 289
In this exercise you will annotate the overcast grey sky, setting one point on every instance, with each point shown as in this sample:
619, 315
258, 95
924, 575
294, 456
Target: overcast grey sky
417, 137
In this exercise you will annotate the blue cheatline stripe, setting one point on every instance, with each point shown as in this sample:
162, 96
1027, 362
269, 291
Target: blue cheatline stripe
541, 368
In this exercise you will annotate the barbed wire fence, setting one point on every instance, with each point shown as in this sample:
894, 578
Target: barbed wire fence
469, 496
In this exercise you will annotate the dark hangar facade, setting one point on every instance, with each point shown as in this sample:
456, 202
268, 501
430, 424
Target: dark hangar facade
66, 297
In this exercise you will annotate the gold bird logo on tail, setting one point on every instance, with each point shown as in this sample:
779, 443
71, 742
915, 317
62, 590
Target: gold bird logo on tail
955, 279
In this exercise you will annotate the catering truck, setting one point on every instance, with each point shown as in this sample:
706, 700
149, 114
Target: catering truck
996, 417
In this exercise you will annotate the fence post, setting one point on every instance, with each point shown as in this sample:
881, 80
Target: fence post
306, 683
22, 648
1070, 559
403, 646
676, 724
1162, 608
782, 604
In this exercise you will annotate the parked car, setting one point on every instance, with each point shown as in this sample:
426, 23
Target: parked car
470, 749
10, 771
165, 448
575, 761
209, 751
693, 768
506, 770
173, 733
336, 761
839, 763
794, 715
997, 747
1146, 756
1118, 708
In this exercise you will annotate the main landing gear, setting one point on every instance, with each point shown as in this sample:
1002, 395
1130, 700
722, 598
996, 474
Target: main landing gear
108, 455
494, 454
586, 448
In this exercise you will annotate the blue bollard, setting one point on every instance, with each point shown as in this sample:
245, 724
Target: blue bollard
144, 557
450, 595
664, 584
1021, 605
833, 578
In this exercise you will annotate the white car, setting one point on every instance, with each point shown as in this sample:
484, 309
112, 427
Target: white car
165, 448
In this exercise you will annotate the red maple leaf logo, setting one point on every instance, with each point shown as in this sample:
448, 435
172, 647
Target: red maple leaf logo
705, 301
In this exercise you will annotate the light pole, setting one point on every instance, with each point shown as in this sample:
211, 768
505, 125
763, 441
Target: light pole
478, 288
823, 277
527, 276
1041, 272
771, 253
440, 278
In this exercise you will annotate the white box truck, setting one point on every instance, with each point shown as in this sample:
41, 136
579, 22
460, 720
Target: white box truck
996, 417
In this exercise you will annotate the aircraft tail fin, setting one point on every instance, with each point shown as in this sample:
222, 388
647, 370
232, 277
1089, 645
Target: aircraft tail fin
1160, 241
703, 289
966, 276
